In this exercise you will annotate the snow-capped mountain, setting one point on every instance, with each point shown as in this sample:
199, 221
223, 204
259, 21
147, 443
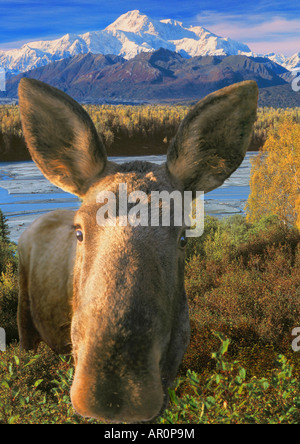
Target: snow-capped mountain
36, 54
290, 63
131, 34
138, 33
293, 62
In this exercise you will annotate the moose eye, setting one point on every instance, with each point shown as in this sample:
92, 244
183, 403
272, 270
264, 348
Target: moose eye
183, 240
79, 235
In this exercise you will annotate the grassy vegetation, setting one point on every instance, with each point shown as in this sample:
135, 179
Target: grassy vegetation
243, 282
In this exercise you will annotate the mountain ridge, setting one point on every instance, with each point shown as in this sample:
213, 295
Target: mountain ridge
159, 77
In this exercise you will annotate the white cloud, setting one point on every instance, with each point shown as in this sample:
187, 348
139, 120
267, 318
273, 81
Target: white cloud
262, 34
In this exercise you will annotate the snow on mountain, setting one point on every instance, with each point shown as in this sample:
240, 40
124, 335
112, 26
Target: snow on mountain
277, 58
289, 63
137, 33
36, 54
131, 34
292, 63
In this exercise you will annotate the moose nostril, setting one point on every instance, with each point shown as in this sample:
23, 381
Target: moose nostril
94, 400
108, 400
114, 403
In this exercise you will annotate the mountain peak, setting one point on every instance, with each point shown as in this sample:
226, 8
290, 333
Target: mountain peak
172, 22
132, 21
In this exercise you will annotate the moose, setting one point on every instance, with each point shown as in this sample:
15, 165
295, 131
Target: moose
114, 296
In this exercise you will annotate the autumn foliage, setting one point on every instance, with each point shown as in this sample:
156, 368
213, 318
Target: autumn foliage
275, 176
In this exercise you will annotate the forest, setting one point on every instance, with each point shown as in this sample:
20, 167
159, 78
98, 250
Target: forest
132, 130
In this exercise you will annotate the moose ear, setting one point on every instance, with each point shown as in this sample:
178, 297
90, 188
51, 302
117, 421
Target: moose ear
60, 136
212, 140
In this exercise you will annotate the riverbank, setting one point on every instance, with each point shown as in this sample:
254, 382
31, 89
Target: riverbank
25, 193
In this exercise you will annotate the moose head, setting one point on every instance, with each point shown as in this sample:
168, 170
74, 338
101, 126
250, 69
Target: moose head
114, 294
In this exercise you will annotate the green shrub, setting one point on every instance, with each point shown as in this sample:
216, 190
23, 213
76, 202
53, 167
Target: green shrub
228, 397
35, 388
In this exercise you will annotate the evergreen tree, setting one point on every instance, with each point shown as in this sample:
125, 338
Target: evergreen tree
4, 230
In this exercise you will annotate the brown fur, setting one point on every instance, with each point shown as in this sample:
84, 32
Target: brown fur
117, 299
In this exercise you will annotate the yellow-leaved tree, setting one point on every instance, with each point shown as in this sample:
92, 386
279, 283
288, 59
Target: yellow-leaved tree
275, 176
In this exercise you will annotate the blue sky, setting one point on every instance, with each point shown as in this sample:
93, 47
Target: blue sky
266, 26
